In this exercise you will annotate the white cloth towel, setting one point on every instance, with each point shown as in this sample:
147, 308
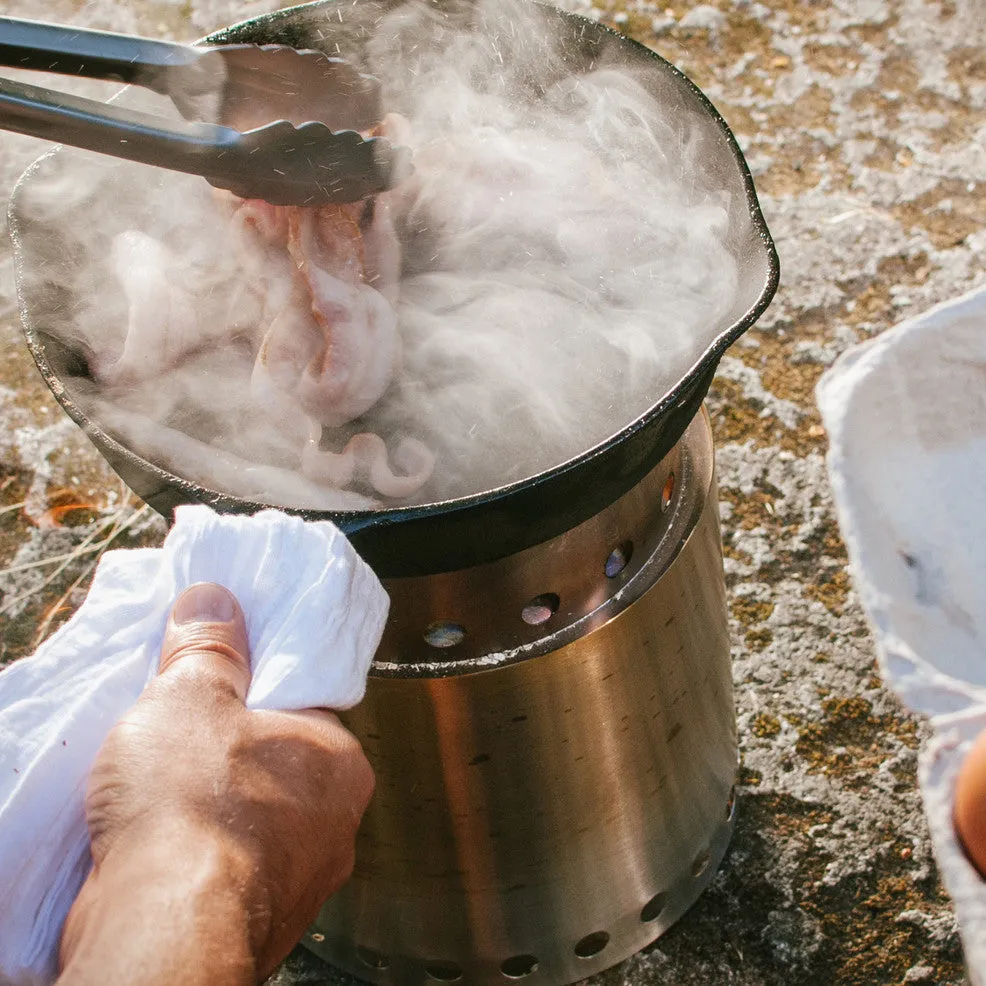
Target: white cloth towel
314, 612
906, 417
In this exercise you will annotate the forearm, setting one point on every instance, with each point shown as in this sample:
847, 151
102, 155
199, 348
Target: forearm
165, 912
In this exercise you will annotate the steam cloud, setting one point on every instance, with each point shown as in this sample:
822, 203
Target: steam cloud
566, 261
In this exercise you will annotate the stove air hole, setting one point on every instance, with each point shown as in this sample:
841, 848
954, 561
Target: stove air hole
443, 972
653, 909
519, 966
371, 959
592, 944
540, 609
701, 862
618, 559
443, 634
667, 494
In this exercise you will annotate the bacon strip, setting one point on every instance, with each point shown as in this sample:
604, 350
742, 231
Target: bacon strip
161, 323
314, 297
365, 458
331, 351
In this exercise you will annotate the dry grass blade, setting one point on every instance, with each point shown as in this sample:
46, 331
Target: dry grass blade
58, 606
45, 625
79, 552
52, 517
117, 524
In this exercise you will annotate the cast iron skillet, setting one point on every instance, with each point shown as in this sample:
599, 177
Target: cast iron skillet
454, 534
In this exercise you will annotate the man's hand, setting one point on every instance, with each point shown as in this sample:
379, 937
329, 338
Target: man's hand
217, 832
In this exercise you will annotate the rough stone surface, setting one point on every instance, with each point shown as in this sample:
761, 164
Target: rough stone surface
863, 121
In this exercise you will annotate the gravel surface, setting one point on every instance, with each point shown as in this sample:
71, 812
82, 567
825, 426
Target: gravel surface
863, 123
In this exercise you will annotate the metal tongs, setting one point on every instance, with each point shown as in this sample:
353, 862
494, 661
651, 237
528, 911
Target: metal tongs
262, 145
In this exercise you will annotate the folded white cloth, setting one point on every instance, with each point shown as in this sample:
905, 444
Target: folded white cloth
906, 417
314, 613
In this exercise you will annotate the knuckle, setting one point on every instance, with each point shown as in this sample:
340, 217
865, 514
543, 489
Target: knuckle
204, 637
365, 780
200, 677
352, 769
346, 865
329, 737
203, 646
340, 867
348, 745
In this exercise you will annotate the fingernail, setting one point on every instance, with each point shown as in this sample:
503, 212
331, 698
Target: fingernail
204, 603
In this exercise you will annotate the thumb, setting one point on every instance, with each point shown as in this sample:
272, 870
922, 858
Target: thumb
206, 633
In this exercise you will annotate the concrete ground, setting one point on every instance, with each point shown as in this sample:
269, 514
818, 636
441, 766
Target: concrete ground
863, 122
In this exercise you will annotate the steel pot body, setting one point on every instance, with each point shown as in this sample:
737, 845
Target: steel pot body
556, 797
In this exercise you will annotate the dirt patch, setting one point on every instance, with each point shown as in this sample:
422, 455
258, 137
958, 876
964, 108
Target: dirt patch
874, 34
14, 524
872, 103
811, 110
948, 213
765, 725
735, 418
851, 741
898, 74
749, 611
967, 65
831, 589
800, 167
759, 638
873, 302
706, 56
752, 510
832, 59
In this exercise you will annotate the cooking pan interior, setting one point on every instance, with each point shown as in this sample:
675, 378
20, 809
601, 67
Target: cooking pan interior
434, 536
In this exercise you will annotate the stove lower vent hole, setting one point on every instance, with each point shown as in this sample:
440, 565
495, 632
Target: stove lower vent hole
519, 966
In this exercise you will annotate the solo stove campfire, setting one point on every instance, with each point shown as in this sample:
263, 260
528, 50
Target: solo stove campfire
550, 714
